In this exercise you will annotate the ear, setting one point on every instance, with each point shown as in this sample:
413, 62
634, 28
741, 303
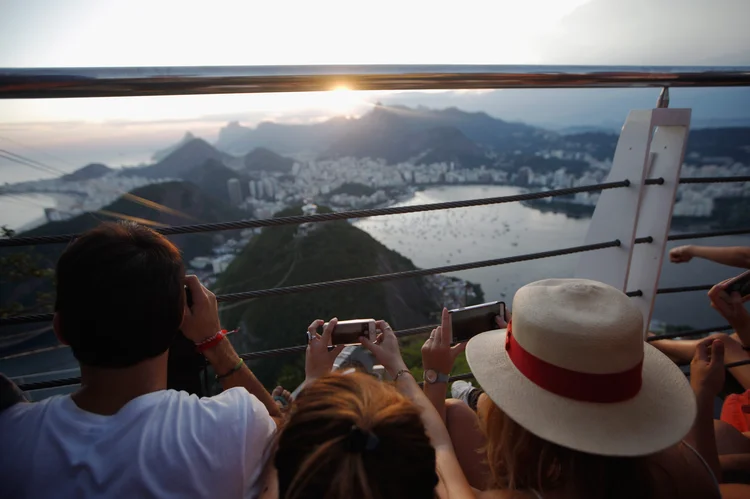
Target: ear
57, 327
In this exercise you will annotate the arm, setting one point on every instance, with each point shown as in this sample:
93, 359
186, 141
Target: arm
224, 358
438, 355
734, 256
200, 322
733, 310
386, 350
706, 379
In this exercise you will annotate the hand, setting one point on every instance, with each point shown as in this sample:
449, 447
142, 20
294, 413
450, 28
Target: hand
729, 306
707, 368
202, 320
386, 349
681, 254
318, 360
437, 352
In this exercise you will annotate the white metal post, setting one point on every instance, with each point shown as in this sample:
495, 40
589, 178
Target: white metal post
616, 213
657, 203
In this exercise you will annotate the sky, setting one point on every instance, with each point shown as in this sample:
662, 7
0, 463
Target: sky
75, 33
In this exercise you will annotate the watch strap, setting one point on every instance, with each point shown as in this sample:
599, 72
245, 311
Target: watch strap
439, 377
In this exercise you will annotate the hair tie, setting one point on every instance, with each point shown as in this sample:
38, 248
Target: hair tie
360, 440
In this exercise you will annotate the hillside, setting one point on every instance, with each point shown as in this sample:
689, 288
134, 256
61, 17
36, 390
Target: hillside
180, 161
262, 159
163, 153
88, 172
335, 250
212, 177
399, 134
184, 197
283, 138
707, 143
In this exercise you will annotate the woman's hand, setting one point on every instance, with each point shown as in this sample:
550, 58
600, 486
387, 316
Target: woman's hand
385, 349
729, 306
681, 254
318, 359
437, 353
707, 368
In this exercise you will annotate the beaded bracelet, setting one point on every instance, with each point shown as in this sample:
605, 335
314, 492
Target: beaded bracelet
236, 368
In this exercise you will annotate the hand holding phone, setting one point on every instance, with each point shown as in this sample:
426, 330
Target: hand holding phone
739, 284
468, 322
349, 332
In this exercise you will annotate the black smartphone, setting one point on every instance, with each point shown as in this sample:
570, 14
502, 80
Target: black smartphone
468, 322
739, 284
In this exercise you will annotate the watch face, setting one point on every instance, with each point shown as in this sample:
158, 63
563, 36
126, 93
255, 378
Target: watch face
430, 375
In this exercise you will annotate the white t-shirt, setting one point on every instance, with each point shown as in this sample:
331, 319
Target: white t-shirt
163, 444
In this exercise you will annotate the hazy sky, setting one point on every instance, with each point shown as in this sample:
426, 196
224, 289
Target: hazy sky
45, 33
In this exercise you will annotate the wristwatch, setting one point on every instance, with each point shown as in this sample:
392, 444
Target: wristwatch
431, 376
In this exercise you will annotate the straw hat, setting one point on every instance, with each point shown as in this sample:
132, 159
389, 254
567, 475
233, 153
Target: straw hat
573, 369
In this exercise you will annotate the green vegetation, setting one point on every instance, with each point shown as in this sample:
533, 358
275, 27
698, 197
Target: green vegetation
331, 251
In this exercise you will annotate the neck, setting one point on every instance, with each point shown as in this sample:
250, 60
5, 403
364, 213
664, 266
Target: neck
106, 390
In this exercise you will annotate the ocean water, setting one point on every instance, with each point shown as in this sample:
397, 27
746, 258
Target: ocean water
432, 239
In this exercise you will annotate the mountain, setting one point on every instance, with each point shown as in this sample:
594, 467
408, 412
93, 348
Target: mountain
336, 250
88, 172
212, 176
179, 197
159, 155
186, 203
262, 159
283, 138
179, 162
706, 143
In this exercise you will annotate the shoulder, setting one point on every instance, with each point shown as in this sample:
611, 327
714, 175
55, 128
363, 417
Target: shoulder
235, 408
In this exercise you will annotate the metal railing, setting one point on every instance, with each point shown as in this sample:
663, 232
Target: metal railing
50, 83
121, 82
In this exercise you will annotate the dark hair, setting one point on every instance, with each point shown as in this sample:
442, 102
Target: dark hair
120, 295
392, 460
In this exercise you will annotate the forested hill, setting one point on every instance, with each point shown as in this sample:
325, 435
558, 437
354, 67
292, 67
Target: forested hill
282, 256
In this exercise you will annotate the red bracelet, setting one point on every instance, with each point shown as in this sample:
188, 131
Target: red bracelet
211, 342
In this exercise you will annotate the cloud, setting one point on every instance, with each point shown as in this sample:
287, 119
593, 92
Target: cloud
651, 32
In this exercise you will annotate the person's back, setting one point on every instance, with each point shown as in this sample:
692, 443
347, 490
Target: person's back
120, 303
162, 444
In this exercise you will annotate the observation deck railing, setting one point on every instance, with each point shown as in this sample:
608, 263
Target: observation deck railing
629, 229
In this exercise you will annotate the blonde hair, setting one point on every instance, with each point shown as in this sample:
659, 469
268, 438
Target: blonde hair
314, 458
520, 460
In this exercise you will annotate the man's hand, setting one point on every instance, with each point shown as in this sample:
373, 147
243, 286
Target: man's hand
729, 306
437, 352
202, 320
681, 254
318, 360
386, 349
707, 368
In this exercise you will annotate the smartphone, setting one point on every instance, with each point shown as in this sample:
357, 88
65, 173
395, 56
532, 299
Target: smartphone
739, 284
348, 332
468, 322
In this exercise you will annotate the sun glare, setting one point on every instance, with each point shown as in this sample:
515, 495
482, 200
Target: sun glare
342, 100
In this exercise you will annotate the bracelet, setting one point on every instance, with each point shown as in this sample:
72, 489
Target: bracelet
399, 373
210, 342
236, 368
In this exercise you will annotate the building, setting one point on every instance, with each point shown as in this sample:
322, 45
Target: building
235, 191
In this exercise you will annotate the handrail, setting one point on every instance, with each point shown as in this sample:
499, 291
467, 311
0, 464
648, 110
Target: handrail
52, 83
